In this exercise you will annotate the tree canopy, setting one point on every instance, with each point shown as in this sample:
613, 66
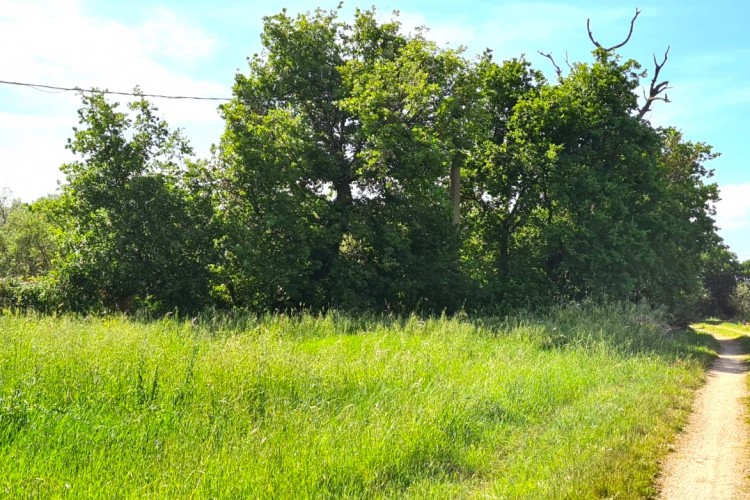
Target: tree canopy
364, 167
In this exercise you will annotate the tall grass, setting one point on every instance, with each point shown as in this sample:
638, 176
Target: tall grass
577, 403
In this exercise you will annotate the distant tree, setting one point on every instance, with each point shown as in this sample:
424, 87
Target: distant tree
7, 204
741, 301
719, 273
27, 245
745, 269
682, 229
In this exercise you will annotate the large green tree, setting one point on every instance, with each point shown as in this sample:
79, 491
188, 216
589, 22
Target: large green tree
681, 228
133, 237
571, 192
503, 179
335, 167
600, 188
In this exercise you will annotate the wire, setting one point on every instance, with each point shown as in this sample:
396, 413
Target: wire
40, 87
49, 91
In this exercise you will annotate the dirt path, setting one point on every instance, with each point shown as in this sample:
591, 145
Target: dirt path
710, 460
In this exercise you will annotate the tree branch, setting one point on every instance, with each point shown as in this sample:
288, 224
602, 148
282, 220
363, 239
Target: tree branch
548, 55
614, 47
656, 89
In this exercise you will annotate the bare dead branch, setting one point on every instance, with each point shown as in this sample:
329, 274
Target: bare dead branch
655, 89
548, 55
613, 47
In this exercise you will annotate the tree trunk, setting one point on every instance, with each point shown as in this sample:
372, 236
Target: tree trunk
456, 193
503, 257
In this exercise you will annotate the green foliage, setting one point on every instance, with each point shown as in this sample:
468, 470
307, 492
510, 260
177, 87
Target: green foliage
741, 300
130, 231
719, 273
570, 195
598, 189
7, 204
41, 294
503, 185
578, 403
27, 245
741, 296
745, 270
27, 251
336, 183
333, 167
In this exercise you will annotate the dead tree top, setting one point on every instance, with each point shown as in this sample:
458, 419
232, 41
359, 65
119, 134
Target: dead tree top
613, 47
657, 90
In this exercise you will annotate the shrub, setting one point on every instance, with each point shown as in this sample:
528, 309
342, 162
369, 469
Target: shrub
38, 294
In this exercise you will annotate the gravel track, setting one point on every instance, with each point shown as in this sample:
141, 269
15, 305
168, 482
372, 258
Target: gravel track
710, 460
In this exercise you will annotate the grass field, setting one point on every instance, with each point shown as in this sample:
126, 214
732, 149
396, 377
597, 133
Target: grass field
578, 403
729, 329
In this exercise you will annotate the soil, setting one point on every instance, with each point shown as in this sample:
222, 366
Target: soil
710, 460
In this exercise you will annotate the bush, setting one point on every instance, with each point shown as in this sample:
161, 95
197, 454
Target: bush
37, 294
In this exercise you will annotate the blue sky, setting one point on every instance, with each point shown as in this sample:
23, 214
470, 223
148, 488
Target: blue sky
193, 47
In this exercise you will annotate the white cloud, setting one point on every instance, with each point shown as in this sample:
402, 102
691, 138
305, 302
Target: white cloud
452, 34
56, 42
30, 162
733, 211
164, 33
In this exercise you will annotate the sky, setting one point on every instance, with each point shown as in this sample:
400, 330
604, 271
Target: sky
192, 47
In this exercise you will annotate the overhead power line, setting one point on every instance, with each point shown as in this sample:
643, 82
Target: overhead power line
40, 87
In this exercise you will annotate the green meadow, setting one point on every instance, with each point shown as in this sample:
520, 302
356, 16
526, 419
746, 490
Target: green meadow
580, 402
727, 329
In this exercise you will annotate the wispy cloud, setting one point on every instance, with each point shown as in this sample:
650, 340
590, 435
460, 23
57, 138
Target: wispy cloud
29, 165
164, 33
57, 42
706, 88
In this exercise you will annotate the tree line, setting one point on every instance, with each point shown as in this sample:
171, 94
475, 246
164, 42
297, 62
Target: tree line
365, 168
